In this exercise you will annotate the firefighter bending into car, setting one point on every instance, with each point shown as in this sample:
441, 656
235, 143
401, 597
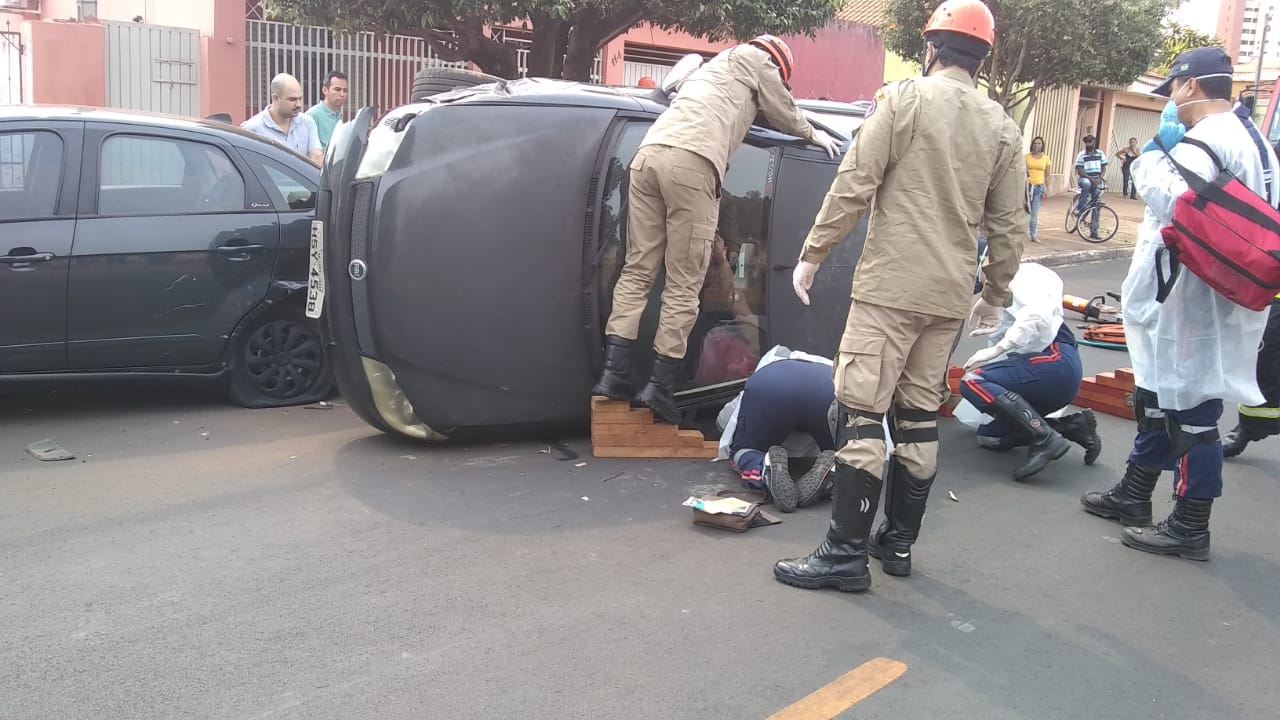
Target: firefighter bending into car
1258, 422
933, 158
674, 203
1030, 368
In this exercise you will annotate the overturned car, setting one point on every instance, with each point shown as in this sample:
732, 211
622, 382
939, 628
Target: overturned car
466, 247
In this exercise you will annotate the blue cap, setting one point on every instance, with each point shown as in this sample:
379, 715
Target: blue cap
1197, 63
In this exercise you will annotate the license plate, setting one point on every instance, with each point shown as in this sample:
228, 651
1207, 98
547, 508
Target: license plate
315, 273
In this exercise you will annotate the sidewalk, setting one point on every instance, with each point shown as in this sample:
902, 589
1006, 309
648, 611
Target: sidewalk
1058, 247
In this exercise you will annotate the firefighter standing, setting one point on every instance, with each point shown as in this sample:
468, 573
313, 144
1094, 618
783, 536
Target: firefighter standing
934, 159
1261, 421
674, 203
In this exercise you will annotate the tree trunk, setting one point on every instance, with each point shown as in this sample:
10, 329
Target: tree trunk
581, 52
546, 48
562, 46
1031, 105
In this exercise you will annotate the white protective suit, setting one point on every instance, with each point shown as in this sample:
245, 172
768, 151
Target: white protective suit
1197, 345
1033, 319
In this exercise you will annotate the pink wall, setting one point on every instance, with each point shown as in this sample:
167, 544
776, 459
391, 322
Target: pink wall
842, 62
222, 62
62, 77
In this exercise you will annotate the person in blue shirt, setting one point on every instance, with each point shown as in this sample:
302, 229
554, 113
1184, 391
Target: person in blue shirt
284, 121
1090, 165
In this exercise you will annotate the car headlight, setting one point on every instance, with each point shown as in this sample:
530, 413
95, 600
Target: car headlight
384, 141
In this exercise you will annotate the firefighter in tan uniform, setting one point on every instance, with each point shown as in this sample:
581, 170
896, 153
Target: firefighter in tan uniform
675, 201
933, 161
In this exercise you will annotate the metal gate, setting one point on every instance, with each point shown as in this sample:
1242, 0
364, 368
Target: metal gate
379, 68
153, 68
10, 67
1129, 123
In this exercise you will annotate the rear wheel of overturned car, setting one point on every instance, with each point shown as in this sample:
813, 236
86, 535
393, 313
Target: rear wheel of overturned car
435, 80
279, 361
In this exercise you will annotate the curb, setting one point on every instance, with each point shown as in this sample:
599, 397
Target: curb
1081, 257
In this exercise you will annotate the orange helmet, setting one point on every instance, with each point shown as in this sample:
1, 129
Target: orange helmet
646, 82
778, 52
971, 18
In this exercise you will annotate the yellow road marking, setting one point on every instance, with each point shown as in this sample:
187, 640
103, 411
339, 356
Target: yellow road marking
844, 692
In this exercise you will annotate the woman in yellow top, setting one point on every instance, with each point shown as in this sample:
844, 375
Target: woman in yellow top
1037, 170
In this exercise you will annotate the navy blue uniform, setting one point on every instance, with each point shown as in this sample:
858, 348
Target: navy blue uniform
779, 399
1048, 380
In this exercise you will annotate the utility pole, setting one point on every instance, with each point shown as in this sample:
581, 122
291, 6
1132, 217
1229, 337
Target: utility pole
1262, 51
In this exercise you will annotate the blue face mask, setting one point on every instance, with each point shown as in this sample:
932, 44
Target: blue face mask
1171, 131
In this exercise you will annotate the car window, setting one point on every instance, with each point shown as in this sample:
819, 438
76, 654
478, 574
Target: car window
30, 174
730, 332
165, 176
290, 190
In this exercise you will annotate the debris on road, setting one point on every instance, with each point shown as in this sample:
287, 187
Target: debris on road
48, 451
614, 476
953, 496
408, 457
581, 464
322, 405
586, 499
545, 452
962, 627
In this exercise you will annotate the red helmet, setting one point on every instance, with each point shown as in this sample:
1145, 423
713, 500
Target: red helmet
646, 82
778, 52
964, 17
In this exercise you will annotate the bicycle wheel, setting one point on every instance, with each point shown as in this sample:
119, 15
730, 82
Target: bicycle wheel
1107, 220
1073, 219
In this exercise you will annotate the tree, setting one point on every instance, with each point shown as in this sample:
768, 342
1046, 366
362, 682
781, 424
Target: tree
1042, 44
566, 34
1177, 40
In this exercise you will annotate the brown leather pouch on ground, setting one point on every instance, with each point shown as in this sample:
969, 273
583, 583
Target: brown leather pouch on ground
755, 517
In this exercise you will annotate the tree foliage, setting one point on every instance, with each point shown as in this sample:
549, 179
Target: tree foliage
565, 34
1042, 44
1177, 40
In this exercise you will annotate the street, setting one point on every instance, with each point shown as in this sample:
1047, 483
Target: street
197, 560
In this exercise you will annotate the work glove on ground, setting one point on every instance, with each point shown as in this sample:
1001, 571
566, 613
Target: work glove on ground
802, 279
985, 318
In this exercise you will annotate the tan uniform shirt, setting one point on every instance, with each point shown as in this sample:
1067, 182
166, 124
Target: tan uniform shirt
933, 161
715, 107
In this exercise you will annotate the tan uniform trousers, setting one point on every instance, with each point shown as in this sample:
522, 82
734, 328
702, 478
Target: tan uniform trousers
673, 209
897, 358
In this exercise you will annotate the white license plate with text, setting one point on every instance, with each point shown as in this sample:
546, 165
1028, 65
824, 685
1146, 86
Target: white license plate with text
315, 272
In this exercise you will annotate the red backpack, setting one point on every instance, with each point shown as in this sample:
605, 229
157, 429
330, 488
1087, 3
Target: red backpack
1225, 234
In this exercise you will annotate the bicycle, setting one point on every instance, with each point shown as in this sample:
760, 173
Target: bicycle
1103, 221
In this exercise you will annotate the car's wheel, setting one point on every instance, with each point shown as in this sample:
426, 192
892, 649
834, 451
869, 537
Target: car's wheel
279, 361
435, 80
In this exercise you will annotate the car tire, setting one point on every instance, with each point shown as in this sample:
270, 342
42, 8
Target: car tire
279, 361
435, 80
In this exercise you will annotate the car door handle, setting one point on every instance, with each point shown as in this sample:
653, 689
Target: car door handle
239, 249
28, 257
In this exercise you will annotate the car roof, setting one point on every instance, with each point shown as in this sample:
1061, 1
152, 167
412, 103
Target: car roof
132, 117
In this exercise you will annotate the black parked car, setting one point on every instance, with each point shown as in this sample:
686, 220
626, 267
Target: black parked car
146, 245
466, 249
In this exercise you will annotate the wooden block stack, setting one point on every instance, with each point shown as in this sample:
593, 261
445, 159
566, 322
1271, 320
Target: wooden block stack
1108, 392
953, 381
620, 431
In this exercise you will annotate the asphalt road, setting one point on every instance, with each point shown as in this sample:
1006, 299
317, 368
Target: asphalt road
201, 561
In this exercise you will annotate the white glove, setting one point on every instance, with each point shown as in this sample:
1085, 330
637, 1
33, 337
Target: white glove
985, 318
802, 279
827, 142
984, 356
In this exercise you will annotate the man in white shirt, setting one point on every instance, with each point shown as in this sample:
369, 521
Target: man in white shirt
284, 121
1090, 166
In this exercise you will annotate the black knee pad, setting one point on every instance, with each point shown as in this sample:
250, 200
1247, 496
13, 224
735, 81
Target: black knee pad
906, 436
847, 431
1182, 440
1146, 409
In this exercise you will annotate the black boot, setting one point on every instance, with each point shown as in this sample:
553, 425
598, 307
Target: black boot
904, 504
777, 479
1046, 445
841, 560
659, 394
1236, 441
1082, 429
1129, 501
818, 481
1185, 533
615, 381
